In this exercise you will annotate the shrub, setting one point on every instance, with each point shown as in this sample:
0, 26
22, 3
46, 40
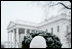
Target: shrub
52, 41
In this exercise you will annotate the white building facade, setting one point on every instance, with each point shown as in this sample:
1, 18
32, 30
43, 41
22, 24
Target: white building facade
59, 25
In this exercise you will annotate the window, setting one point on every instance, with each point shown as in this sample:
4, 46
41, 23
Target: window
33, 31
57, 28
21, 30
46, 30
36, 31
52, 30
28, 31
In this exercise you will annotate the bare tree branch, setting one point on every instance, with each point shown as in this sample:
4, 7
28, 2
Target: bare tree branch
61, 4
64, 5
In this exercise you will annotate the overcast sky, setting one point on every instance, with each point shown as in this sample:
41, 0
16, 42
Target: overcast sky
22, 10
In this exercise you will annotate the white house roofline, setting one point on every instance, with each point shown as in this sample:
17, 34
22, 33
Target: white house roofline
26, 23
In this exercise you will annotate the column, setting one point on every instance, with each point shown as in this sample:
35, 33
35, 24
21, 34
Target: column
17, 38
8, 39
11, 37
14, 38
30, 30
25, 32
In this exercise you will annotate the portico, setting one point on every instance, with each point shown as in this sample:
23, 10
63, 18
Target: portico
16, 34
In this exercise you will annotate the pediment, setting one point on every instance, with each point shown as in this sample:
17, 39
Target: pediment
11, 24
